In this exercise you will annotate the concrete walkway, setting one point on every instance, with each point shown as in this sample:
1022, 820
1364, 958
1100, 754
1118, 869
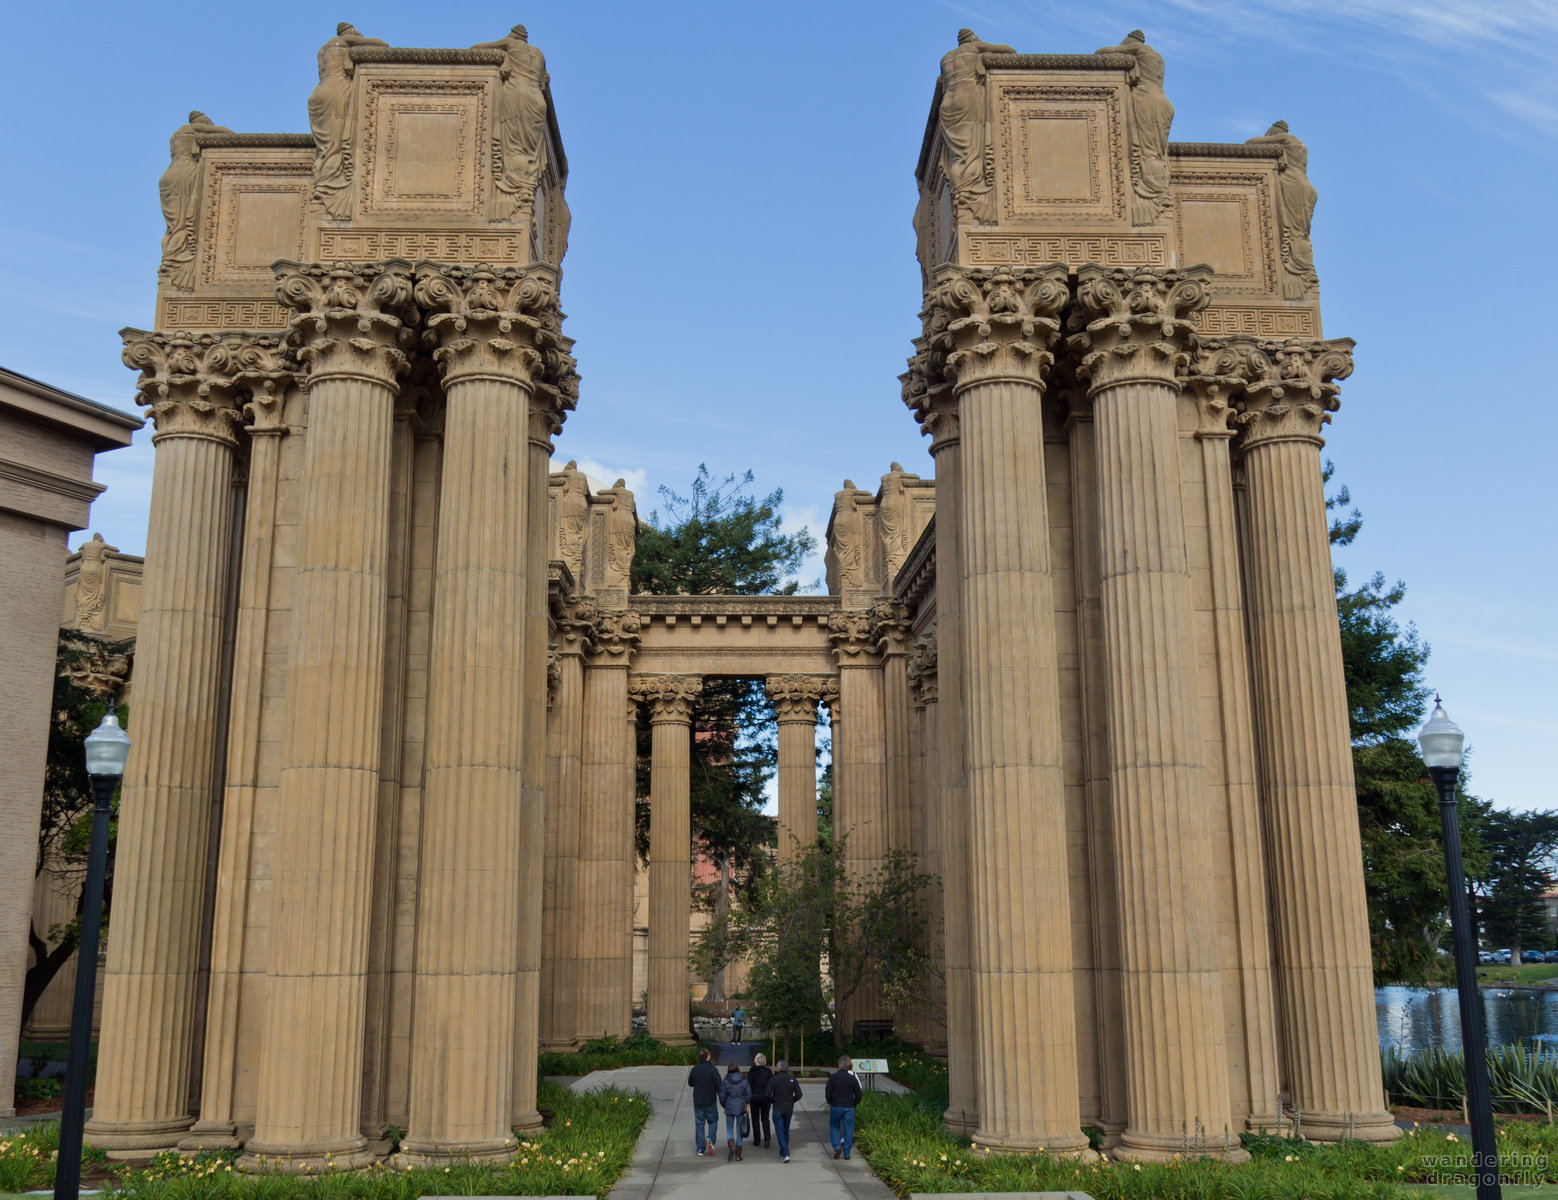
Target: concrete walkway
664, 1165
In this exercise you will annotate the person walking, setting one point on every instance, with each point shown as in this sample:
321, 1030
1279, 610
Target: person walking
704, 1081
785, 1091
842, 1094
759, 1077
735, 1094
738, 1019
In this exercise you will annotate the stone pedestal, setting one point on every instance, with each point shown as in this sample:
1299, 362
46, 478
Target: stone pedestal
149, 990
1176, 1063
995, 328
1324, 972
795, 699
671, 699
308, 1108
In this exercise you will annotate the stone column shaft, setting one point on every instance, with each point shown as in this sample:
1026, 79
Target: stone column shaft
1176, 1061
670, 851
998, 328
795, 699
1324, 969
149, 989
310, 1087
562, 832
216, 1129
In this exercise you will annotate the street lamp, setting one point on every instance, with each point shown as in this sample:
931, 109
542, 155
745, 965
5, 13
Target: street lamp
107, 748
1442, 742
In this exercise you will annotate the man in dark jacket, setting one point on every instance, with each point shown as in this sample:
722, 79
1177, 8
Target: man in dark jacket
842, 1094
704, 1081
785, 1090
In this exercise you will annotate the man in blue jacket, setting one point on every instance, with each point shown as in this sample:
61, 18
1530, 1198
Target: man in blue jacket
842, 1094
704, 1081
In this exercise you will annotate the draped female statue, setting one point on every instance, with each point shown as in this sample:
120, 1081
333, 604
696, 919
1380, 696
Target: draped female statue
519, 125
1296, 198
1151, 115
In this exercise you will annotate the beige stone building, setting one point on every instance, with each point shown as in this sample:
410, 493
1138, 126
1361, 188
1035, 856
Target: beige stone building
48, 441
1089, 669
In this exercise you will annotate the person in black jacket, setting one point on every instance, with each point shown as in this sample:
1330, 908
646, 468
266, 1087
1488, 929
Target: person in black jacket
759, 1077
786, 1091
735, 1094
842, 1093
704, 1081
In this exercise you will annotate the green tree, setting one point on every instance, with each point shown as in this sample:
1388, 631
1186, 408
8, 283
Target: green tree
65, 826
720, 539
1521, 848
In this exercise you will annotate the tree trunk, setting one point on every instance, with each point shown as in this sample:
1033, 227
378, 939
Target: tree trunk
716, 990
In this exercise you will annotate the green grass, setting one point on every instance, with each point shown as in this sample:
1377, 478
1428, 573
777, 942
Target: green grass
609, 1053
1524, 973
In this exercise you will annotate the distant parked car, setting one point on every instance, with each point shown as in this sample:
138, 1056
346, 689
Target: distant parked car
1551, 956
1533, 956
1501, 956
1485, 956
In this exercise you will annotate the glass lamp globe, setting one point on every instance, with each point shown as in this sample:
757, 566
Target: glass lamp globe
107, 748
1441, 739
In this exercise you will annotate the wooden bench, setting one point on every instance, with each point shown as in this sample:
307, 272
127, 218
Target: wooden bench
873, 1030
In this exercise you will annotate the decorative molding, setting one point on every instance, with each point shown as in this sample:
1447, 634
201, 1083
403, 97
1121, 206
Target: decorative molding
48, 481
1041, 249
498, 247
196, 314
1221, 150
739, 608
1268, 321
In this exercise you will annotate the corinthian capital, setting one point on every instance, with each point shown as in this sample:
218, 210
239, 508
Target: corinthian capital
352, 319
923, 685
195, 383
1133, 322
1214, 377
995, 323
850, 631
795, 697
670, 697
617, 633
501, 322
890, 627
928, 395
1290, 388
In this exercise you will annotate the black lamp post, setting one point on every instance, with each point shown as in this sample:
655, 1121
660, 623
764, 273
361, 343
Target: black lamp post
1442, 742
107, 748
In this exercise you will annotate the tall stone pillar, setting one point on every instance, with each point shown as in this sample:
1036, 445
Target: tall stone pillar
603, 904
1324, 973
1109, 1015
1137, 336
308, 1108
671, 699
860, 810
216, 1128
928, 820
1213, 382
996, 328
890, 626
930, 396
468, 930
190, 383
795, 699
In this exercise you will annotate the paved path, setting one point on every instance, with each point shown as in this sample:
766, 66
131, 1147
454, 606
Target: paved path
664, 1165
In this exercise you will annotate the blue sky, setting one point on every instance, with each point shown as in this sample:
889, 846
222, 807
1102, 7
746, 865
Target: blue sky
741, 278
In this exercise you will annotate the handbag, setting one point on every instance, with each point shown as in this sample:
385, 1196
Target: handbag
745, 1126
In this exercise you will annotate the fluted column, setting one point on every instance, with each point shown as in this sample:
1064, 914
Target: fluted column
565, 733
216, 1128
929, 394
308, 1106
671, 699
603, 904
1316, 860
1136, 337
927, 823
860, 811
1212, 383
149, 990
891, 630
795, 699
995, 328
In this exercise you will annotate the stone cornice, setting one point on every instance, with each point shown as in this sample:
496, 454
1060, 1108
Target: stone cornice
352, 319
194, 383
1131, 324
273, 141
995, 323
671, 697
918, 574
795, 697
1222, 150
744, 610
37, 479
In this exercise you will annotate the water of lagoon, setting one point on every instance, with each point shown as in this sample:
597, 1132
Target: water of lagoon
1420, 1018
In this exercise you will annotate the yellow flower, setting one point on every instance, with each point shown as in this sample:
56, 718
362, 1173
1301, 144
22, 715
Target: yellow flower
1450, 1137
1137, 1166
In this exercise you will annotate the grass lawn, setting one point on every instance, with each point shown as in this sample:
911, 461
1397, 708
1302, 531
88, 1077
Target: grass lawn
1467, 1192
1525, 973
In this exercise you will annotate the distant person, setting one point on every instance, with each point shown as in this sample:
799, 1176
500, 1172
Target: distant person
735, 1093
738, 1019
704, 1081
785, 1091
842, 1095
759, 1077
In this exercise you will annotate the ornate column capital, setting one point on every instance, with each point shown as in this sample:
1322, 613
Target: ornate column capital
830, 696
670, 697
1214, 377
995, 323
577, 627
928, 395
616, 636
795, 697
890, 627
195, 383
924, 687
850, 631
1132, 323
353, 320
1290, 389
498, 322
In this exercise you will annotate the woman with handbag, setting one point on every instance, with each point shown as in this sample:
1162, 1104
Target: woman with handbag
735, 1093
762, 1101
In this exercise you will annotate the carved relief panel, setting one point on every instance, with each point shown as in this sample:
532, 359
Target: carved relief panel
1061, 153
424, 142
